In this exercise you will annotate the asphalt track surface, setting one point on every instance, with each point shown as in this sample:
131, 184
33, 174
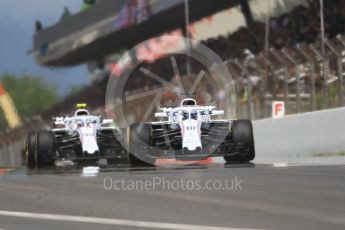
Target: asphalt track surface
265, 197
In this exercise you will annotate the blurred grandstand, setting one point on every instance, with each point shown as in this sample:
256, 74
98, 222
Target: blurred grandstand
288, 66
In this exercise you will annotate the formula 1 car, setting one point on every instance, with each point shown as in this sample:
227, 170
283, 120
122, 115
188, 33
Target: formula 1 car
77, 139
189, 133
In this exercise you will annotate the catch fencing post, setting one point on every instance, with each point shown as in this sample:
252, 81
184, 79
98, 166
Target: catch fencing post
274, 77
236, 79
286, 75
254, 64
312, 76
339, 72
325, 69
249, 88
298, 74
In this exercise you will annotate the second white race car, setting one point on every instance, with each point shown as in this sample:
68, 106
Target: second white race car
77, 139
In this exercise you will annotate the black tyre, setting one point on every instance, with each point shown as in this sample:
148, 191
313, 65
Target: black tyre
46, 150
31, 143
243, 139
139, 145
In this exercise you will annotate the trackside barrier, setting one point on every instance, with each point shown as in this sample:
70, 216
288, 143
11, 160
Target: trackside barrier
301, 135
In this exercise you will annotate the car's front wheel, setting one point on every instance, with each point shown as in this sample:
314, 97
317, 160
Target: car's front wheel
46, 150
242, 137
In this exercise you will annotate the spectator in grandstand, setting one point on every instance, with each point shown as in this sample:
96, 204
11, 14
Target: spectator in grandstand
301, 24
248, 56
66, 13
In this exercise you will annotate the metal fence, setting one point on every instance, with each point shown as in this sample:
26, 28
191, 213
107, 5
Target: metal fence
300, 76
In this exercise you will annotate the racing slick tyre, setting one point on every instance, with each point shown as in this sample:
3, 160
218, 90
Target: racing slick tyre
139, 142
31, 143
243, 139
45, 149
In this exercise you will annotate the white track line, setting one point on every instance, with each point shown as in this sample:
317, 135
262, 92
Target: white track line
117, 222
280, 164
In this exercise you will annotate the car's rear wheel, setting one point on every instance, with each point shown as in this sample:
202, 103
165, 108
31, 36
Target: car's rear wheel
46, 150
243, 149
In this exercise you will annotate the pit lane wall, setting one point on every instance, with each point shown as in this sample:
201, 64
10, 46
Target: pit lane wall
301, 135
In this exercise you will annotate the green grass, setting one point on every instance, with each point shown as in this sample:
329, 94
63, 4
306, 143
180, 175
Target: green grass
329, 154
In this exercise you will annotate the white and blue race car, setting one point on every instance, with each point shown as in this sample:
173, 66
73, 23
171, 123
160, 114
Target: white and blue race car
187, 132
77, 139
